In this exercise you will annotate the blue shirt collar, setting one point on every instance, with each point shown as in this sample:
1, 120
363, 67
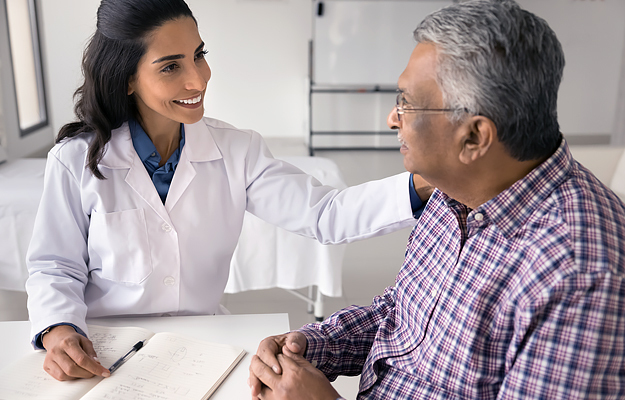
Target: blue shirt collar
147, 151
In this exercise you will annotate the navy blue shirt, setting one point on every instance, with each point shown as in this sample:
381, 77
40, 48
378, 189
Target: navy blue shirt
415, 201
161, 176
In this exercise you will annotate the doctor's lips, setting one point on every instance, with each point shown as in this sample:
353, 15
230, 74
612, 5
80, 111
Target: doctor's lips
192, 102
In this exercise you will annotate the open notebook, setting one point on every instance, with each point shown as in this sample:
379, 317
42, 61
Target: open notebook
169, 366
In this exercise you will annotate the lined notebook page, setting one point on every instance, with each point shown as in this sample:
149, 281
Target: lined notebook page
170, 367
26, 378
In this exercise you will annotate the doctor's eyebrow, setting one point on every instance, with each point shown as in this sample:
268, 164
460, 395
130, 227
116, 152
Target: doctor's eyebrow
176, 56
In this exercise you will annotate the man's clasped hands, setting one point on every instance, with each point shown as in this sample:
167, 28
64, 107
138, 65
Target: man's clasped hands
279, 370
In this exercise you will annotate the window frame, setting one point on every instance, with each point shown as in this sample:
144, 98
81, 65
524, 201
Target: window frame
37, 139
39, 71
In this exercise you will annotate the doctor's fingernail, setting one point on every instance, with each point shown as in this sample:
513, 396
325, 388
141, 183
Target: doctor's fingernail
275, 369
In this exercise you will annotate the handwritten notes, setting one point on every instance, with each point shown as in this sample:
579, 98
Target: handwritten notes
168, 367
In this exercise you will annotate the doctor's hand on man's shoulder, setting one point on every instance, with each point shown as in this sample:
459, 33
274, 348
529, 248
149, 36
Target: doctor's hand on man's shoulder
70, 355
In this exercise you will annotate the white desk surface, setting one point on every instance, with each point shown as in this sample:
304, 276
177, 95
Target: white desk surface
240, 330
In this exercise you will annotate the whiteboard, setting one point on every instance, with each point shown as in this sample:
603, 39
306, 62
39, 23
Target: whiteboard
368, 42
364, 42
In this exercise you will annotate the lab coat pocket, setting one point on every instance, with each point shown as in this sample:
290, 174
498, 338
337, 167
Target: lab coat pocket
118, 241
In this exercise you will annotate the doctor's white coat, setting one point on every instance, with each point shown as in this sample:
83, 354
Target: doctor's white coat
111, 247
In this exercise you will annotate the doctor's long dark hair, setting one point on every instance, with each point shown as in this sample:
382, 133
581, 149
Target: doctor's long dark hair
109, 61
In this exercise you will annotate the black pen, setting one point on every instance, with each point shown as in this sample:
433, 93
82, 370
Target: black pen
126, 356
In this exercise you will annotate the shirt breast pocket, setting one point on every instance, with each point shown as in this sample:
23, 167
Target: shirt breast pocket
118, 241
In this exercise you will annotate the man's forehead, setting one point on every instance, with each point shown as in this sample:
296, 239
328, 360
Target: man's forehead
419, 77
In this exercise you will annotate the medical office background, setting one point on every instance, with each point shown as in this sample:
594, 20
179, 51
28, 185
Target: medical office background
259, 53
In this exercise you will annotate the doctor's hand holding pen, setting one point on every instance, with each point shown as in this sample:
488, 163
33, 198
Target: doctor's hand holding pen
70, 355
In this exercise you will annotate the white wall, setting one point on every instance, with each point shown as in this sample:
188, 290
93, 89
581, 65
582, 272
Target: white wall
592, 34
258, 52
65, 28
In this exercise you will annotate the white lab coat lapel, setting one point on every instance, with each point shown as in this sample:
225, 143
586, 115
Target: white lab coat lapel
139, 179
121, 154
199, 147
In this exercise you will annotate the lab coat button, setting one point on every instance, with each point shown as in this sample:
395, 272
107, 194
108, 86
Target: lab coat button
169, 280
166, 227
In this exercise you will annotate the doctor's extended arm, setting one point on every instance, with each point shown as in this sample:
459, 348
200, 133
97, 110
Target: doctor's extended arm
58, 273
281, 194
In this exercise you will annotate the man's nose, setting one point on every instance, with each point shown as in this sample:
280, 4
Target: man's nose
393, 120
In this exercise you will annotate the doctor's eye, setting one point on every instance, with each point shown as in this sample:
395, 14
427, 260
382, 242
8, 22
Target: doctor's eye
201, 54
169, 68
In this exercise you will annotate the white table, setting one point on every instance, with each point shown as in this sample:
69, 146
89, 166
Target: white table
240, 330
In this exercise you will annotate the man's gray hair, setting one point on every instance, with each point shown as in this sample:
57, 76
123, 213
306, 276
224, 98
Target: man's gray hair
500, 61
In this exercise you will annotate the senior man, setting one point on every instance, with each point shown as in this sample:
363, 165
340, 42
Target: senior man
513, 282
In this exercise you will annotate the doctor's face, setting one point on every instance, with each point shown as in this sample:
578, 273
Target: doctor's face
171, 78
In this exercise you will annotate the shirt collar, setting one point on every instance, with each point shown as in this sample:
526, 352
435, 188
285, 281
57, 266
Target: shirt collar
510, 209
145, 148
140, 140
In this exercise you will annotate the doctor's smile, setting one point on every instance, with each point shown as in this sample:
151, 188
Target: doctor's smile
190, 103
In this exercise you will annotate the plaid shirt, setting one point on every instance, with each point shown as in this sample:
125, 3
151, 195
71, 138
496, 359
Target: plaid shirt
523, 297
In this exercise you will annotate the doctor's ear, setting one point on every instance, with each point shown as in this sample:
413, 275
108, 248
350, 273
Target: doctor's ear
478, 133
131, 88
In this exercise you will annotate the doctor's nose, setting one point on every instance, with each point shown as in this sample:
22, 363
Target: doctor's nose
393, 120
197, 78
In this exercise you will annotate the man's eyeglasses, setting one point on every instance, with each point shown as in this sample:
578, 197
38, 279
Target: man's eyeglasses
402, 108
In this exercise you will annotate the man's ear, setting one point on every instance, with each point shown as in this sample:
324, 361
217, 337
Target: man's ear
478, 134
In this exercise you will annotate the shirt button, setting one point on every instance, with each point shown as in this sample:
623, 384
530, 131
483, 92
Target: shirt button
153, 154
166, 227
169, 281
479, 217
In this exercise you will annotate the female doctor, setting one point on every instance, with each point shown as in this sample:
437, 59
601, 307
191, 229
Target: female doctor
144, 199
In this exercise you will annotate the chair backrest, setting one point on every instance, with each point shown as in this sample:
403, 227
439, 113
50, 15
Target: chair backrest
3, 155
618, 179
604, 161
